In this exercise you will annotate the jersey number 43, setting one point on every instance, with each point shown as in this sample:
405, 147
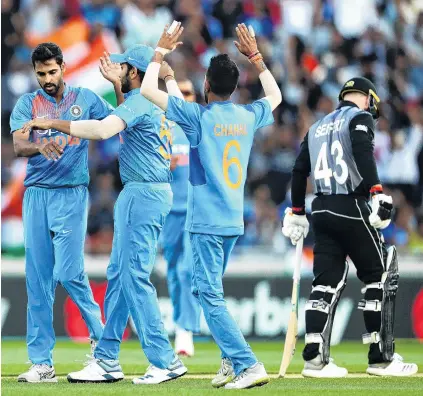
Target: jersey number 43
322, 170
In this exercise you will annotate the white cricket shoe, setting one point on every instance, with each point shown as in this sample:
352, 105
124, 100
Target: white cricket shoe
315, 368
395, 368
224, 375
249, 378
98, 370
39, 373
184, 343
155, 375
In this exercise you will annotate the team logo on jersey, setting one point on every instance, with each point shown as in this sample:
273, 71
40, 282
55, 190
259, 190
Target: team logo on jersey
76, 111
361, 128
349, 84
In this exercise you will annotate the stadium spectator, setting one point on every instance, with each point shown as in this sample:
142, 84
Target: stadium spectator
311, 46
143, 21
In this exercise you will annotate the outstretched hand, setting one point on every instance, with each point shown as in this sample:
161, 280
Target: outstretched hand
169, 41
246, 43
110, 71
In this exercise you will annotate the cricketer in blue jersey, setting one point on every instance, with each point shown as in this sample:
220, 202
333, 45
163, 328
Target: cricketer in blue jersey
221, 135
139, 215
55, 205
176, 244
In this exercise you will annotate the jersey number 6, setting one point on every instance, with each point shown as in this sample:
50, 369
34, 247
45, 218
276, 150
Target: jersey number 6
233, 161
322, 170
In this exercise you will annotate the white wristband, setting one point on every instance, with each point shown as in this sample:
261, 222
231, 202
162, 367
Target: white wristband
163, 51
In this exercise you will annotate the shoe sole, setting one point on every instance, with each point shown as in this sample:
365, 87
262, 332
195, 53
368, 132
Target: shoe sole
81, 381
223, 383
179, 375
313, 374
391, 374
48, 380
256, 383
260, 382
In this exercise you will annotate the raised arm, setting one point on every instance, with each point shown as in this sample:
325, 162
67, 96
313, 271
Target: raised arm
84, 129
168, 76
247, 45
111, 72
150, 84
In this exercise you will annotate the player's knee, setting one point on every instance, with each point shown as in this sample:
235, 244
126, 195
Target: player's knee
129, 280
210, 295
369, 277
212, 303
329, 278
66, 278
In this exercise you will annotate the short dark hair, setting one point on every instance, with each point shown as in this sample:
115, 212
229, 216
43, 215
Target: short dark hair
140, 72
222, 75
46, 51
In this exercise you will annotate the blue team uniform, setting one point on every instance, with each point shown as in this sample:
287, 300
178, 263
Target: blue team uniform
140, 212
221, 135
55, 216
176, 245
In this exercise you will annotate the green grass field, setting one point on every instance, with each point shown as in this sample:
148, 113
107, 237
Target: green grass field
69, 357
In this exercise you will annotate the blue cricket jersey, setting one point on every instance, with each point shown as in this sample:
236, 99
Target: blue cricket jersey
72, 168
180, 149
145, 149
221, 135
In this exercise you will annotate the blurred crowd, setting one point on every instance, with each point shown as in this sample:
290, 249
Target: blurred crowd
311, 46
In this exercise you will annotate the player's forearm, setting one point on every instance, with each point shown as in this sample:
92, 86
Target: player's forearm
97, 130
25, 148
61, 126
150, 83
298, 192
118, 92
270, 87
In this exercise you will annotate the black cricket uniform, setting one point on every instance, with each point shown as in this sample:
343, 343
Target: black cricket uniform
337, 153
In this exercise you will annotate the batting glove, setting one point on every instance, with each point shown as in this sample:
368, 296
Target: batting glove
382, 209
294, 226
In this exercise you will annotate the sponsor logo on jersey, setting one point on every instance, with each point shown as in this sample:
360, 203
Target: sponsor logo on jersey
75, 111
361, 128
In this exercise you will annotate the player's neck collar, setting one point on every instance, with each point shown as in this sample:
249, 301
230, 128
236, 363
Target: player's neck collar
132, 92
220, 102
343, 103
51, 98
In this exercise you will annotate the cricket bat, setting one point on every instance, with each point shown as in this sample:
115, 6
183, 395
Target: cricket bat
292, 332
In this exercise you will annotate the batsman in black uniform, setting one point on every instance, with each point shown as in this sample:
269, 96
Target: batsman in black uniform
337, 153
